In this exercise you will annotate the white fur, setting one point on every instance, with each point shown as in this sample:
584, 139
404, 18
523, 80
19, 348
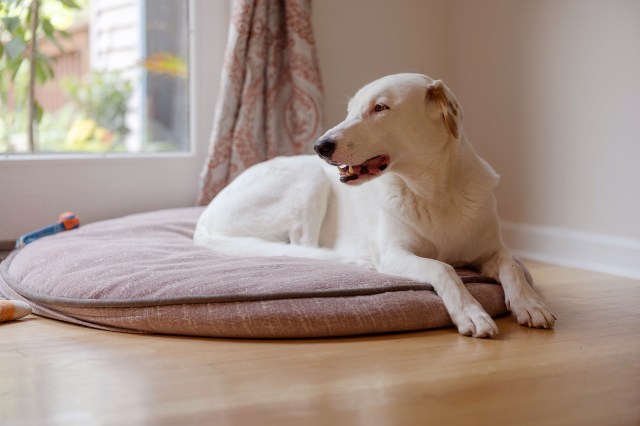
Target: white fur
432, 208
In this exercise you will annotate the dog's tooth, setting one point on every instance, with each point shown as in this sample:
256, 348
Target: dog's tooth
351, 170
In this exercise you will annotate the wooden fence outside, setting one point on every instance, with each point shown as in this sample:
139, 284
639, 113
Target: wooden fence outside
73, 62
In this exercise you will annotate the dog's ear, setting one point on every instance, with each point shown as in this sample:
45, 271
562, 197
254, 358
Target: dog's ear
439, 96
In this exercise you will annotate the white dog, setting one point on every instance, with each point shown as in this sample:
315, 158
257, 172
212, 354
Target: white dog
426, 204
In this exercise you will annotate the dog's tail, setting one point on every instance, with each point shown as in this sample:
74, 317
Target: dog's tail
255, 247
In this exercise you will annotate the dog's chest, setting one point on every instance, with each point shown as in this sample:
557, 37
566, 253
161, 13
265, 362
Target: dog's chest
449, 234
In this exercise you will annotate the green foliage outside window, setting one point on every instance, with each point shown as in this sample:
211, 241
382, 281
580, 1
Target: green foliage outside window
22, 66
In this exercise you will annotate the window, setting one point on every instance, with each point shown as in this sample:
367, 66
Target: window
34, 189
110, 76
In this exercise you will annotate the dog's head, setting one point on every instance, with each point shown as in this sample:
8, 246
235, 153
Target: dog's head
394, 121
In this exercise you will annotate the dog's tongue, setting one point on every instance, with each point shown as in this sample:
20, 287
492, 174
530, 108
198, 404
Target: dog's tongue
364, 171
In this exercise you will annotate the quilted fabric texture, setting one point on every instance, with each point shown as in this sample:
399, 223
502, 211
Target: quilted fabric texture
142, 273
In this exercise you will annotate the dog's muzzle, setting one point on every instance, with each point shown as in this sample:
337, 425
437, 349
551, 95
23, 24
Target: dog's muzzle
352, 174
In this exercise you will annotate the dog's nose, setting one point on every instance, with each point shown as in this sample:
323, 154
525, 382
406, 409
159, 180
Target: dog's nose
325, 147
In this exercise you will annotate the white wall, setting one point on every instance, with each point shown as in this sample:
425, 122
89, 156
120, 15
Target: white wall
551, 92
556, 83
551, 95
361, 40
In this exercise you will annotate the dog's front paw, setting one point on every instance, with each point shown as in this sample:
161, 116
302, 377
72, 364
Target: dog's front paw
474, 321
532, 312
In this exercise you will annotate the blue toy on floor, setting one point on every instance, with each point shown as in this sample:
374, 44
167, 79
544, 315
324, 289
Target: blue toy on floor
66, 222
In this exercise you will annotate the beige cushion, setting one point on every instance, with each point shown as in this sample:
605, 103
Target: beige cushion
142, 273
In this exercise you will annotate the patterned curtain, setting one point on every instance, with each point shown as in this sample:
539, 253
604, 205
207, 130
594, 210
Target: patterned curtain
271, 91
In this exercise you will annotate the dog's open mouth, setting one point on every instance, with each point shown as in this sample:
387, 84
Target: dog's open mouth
359, 173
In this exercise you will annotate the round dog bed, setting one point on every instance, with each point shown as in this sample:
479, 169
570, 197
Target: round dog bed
143, 274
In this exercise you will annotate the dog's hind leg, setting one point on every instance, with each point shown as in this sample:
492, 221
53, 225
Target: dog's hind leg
276, 208
305, 228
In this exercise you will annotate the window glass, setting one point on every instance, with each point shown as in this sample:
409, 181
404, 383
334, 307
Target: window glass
109, 76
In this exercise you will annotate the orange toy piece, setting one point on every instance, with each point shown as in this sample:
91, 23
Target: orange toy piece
69, 220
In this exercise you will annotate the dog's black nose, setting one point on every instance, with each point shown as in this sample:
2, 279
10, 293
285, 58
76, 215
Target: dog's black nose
325, 147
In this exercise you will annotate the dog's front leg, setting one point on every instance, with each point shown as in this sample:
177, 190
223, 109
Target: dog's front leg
465, 311
520, 297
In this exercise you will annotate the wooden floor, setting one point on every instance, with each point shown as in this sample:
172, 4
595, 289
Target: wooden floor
585, 372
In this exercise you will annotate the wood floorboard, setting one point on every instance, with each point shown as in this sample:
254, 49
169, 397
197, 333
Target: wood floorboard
585, 372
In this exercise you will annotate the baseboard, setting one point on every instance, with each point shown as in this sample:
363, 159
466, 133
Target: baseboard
585, 250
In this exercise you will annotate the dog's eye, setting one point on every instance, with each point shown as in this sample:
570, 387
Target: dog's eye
380, 107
